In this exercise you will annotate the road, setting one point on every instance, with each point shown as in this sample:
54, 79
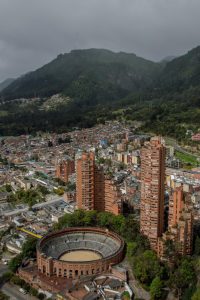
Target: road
177, 147
180, 149
13, 292
3, 269
134, 284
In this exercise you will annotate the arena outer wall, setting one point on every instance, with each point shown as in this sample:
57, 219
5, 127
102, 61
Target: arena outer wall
54, 267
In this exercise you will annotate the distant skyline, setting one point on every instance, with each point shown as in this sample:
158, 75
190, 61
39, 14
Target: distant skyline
32, 33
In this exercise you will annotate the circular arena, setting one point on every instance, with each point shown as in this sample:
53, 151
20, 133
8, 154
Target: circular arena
75, 252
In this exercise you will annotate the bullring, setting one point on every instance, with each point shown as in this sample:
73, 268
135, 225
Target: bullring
76, 252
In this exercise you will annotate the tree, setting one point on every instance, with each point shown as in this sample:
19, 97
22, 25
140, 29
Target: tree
15, 263
3, 296
90, 218
18, 281
28, 250
59, 191
41, 296
131, 249
126, 296
197, 246
156, 288
146, 267
118, 224
104, 219
170, 248
196, 295
33, 292
8, 188
50, 144
6, 277
184, 276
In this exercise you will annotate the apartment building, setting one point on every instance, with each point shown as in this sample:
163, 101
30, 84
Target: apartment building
94, 190
152, 190
65, 168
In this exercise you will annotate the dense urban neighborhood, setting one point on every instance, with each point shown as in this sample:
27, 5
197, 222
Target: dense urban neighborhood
109, 176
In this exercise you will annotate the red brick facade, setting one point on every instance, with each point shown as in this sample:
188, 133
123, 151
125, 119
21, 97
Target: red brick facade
152, 190
64, 169
95, 191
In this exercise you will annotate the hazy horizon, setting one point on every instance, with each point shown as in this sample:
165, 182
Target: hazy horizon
33, 33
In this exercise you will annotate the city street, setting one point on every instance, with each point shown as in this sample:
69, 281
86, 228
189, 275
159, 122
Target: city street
13, 292
3, 269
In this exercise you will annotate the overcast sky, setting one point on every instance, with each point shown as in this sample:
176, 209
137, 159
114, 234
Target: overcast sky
33, 32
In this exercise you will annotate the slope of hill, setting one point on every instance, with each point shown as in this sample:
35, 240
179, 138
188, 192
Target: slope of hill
167, 59
4, 84
182, 72
98, 85
92, 75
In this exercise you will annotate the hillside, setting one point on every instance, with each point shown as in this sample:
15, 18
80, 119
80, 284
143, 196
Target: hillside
4, 84
93, 74
85, 87
181, 73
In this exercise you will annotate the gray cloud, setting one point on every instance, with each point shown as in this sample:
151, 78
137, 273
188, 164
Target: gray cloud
34, 32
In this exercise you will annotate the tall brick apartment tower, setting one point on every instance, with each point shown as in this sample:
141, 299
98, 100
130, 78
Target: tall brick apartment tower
85, 169
180, 229
152, 190
181, 220
95, 191
65, 168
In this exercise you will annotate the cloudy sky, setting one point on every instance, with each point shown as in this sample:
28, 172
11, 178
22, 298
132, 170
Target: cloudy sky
32, 32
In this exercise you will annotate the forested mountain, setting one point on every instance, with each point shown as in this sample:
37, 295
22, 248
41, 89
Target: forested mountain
96, 74
4, 84
97, 85
181, 73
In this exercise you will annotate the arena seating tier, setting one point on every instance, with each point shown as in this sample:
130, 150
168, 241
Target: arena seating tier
57, 246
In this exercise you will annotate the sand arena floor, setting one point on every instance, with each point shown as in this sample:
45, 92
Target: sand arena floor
80, 255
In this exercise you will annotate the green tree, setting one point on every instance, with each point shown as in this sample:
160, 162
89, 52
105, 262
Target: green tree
90, 218
33, 292
8, 188
15, 262
3, 296
118, 224
104, 219
196, 295
59, 191
6, 277
146, 267
28, 250
41, 296
131, 249
18, 281
156, 288
197, 246
126, 296
184, 276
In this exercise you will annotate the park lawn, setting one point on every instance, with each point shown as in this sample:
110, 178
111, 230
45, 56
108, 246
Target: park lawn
186, 158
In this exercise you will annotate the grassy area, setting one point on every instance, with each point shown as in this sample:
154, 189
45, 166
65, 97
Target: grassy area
3, 113
187, 159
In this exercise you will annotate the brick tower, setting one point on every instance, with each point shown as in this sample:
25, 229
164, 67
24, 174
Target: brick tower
152, 190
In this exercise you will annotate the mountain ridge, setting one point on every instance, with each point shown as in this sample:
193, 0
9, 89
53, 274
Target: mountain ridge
100, 85
122, 71
5, 83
